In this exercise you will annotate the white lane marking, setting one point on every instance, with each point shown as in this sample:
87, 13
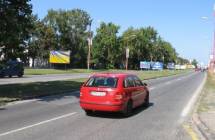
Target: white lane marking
37, 124
169, 82
193, 99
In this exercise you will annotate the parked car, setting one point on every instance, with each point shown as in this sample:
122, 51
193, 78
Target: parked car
12, 68
113, 92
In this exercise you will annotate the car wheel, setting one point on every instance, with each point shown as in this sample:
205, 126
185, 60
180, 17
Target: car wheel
89, 112
10, 76
20, 75
146, 101
128, 109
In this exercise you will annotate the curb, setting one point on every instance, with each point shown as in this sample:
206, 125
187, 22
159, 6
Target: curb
202, 128
199, 126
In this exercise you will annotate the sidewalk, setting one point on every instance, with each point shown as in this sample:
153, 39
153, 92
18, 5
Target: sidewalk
204, 118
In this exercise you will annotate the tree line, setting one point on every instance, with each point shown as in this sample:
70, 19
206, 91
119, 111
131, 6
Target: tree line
25, 36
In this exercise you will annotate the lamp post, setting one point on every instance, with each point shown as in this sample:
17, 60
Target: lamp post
127, 51
89, 45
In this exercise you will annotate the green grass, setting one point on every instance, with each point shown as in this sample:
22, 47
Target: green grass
207, 100
156, 74
22, 91
30, 90
56, 71
147, 74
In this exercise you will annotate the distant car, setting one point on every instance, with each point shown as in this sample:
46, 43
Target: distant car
113, 92
197, 69
12, 68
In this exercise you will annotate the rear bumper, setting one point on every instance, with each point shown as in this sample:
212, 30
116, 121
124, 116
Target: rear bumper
101, 106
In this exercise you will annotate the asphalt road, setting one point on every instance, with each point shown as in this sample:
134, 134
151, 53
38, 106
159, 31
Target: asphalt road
42, 78
61, 118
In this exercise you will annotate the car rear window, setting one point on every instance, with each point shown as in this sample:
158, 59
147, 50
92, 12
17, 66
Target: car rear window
102, 82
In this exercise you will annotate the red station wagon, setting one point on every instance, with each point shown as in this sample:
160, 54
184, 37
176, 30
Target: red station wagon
113, 92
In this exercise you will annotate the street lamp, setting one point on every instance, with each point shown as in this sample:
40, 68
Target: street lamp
127, 50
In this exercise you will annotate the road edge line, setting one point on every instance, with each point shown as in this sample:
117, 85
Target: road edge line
193, 128
193, 99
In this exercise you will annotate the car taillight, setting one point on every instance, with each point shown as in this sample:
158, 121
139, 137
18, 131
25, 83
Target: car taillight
119, 96
81, 94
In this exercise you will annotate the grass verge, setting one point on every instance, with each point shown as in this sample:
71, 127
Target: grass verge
13, 92
56, 71
156, 74
208, 95
145, 74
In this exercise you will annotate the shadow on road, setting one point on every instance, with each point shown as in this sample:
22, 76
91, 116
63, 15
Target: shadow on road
117, 115
75, 94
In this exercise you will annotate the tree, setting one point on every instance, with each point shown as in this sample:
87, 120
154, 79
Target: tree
70, 28
106, 45
195, 63
165, 52
142, 45
43, 39
182, 61
150, 41
15, 24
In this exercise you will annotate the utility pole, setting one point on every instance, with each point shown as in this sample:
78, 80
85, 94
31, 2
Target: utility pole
89, 45
127, 50
212, 56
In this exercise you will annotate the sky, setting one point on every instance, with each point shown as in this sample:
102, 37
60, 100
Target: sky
187, 24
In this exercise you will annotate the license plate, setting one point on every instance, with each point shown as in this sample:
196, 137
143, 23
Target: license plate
96, 93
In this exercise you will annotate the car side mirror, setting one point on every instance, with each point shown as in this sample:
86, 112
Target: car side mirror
145, 84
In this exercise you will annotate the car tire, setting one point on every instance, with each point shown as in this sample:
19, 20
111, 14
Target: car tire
89, 112
146, 101
127, 112
20, 75
10, 76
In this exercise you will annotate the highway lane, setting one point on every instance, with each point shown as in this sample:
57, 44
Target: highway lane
61, 118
